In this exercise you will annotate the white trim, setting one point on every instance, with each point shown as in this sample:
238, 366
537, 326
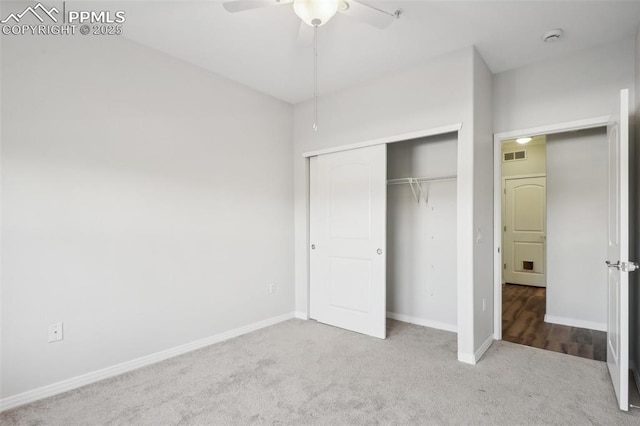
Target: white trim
307, 234
568, 126
475, 357
572, 322
114, 370
388, 139
527, 176
497, 237
423, 322
483, 348
551, 129
466, 358
301, 315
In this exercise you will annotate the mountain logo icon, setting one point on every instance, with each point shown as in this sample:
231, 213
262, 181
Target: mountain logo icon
38, 11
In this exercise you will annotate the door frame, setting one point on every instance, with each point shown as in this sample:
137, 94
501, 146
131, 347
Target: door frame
466, 245
498, 138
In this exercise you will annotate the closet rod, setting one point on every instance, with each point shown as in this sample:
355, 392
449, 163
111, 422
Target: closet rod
420, 180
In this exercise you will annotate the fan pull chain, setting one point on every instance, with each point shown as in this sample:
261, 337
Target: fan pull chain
315, 78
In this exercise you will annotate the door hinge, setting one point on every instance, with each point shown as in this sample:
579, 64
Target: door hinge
505, 266
505, 228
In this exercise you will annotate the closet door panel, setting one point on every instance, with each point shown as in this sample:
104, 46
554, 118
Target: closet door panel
348, 239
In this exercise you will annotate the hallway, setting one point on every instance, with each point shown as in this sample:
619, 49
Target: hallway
523, 309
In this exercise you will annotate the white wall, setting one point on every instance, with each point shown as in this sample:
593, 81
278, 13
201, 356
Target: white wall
421, 237
146, 203
581, 85
634, 282
577, 228
483, 250
431, 95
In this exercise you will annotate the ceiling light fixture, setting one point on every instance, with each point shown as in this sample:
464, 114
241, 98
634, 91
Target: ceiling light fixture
315, 13
522, 141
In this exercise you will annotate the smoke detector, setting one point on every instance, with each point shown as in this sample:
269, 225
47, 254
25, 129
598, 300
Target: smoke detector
552, 36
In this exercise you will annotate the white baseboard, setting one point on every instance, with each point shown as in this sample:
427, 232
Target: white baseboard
301, 315
423, 322
483, 348
466, 358
114, 370
571, 322
475, 357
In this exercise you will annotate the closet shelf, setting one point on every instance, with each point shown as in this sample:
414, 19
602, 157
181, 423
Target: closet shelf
416, 187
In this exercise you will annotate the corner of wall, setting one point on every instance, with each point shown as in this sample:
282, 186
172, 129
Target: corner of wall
482, 204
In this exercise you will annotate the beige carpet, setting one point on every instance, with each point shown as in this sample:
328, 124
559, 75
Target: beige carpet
302, 372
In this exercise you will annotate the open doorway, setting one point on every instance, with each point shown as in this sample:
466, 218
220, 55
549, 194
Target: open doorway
554, 229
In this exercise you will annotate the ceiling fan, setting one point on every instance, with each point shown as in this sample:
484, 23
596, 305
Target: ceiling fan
316, 13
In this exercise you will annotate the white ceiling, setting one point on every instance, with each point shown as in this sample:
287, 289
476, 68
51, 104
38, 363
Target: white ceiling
259, 48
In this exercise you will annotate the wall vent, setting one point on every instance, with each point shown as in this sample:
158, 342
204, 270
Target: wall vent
514, 156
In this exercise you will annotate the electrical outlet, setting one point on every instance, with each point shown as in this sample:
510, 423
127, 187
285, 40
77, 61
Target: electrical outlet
55, 332
484, 305
272, 288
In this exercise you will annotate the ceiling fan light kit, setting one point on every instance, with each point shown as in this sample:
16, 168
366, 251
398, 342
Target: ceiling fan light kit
322, 10
314, 12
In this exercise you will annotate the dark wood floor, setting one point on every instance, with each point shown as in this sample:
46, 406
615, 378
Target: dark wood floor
523, 309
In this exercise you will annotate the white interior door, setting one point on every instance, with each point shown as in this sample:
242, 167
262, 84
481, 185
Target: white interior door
348, 239
618, 252
525, 231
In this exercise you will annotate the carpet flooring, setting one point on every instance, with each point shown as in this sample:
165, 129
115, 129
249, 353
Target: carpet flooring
302, 372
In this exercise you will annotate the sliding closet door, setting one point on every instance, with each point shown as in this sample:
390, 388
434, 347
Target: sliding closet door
348, 239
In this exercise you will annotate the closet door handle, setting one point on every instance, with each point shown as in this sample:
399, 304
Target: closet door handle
379, 251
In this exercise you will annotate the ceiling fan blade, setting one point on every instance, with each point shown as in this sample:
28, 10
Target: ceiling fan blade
305, 34
367, 14
242, 5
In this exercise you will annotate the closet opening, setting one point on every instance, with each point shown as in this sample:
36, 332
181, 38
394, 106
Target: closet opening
421, 231
383, 233
554, 242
